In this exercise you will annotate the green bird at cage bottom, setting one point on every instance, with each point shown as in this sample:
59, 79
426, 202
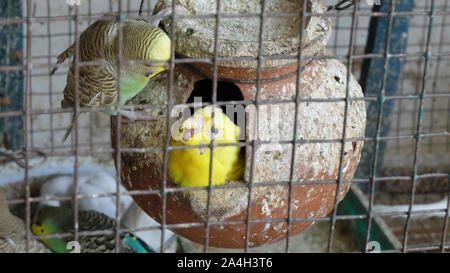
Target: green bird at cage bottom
13, 232
55, 220
98, 83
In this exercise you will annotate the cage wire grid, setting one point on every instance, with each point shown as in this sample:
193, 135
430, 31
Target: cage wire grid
417, 101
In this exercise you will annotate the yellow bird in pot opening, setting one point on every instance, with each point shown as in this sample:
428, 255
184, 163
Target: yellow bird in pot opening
190, 167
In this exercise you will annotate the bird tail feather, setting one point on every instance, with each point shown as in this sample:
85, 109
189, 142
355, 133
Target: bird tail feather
62, 57
136, 244
69, 129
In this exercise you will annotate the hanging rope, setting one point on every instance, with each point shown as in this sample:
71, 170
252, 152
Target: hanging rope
141, 8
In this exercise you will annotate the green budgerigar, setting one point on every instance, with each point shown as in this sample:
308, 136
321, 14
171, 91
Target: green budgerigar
13, 232
55, 220
142, 41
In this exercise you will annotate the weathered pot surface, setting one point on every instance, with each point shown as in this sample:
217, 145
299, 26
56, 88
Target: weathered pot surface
314, 161
239, 36
318, 149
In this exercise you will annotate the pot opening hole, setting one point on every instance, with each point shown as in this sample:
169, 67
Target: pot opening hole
226, 91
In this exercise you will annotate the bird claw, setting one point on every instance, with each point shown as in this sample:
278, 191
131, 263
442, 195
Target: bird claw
130, 116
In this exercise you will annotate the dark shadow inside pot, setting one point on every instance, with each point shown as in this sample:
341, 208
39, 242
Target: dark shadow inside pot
226, 92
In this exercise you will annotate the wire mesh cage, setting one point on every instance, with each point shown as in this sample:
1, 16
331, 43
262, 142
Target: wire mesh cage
383, 182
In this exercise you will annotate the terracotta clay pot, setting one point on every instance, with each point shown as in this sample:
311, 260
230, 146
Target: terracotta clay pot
317, 158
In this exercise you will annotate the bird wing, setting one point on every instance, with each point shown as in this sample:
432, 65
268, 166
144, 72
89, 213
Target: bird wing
96, 83
93, 220
237, 172
96, 86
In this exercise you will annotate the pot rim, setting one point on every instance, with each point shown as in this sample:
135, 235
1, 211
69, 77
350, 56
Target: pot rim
200, 43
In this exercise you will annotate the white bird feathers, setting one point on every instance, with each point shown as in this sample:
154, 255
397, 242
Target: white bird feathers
94, 184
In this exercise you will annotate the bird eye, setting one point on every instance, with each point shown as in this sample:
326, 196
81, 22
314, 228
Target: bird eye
214, 130
180, 130
42, 230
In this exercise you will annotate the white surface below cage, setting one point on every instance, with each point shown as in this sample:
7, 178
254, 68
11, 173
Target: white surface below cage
56, 176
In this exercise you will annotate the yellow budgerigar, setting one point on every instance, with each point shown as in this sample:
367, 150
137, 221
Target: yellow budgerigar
190, 167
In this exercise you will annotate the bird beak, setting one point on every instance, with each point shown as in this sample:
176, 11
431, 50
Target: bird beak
188, 133
192, 126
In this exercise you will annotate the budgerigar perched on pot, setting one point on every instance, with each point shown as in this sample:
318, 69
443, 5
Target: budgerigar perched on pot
190, 167
98, 84
13, 232
54, 220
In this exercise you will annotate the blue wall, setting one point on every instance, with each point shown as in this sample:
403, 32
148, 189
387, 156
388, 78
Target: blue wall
11, 82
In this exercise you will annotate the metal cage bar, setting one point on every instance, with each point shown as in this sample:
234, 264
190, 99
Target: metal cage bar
419, 125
